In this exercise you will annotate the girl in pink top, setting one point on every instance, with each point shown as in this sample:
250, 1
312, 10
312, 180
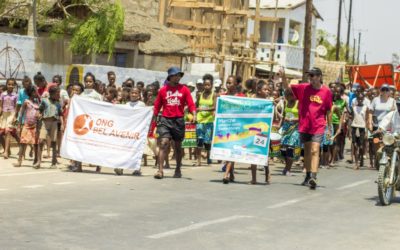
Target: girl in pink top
8, 104
30, 114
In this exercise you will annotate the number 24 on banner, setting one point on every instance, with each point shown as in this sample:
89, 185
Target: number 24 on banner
260, 140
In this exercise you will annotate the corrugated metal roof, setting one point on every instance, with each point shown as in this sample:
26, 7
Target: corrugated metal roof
282, 4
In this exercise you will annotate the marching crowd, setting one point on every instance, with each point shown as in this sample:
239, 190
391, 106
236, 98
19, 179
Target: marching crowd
310, 125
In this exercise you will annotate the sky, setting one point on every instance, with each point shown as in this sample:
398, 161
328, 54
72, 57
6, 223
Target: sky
376, 19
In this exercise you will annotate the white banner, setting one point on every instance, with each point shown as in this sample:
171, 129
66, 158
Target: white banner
105, 134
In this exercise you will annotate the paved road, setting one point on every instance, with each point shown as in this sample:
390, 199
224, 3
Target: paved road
56, 209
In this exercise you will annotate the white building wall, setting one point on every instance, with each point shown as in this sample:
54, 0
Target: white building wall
18, 60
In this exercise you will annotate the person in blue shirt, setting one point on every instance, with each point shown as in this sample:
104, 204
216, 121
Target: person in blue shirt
22, 96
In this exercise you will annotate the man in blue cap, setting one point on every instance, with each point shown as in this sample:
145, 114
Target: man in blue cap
172, 99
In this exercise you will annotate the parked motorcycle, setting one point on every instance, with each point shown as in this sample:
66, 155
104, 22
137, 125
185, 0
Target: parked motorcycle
389, 168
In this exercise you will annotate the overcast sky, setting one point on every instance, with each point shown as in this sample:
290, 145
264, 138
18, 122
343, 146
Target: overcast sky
376, 19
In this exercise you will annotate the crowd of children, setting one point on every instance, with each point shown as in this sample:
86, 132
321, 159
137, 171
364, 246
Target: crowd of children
35, 116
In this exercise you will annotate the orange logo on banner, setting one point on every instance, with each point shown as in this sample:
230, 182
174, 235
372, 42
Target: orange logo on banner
83, 124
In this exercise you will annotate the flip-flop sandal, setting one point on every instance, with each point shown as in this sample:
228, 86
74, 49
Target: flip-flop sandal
159, 175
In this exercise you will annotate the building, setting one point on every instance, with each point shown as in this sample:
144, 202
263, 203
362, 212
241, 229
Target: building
146, 44
289, 33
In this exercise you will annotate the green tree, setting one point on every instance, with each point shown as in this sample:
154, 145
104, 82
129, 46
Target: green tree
94, 26
100, 32
324, 39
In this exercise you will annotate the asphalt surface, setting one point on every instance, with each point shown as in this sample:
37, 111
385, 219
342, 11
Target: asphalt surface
57, 209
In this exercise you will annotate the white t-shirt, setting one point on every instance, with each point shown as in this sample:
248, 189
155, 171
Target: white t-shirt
380, 108
138, 104
92, 94
63, 97
360, 113
354, 102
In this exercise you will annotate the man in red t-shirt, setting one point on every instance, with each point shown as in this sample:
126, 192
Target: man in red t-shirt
172, 98
315, 103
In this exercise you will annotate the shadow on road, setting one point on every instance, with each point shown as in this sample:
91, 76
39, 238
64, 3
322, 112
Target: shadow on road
378, 204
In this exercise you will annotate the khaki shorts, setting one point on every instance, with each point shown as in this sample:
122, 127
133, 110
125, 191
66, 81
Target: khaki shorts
49, 130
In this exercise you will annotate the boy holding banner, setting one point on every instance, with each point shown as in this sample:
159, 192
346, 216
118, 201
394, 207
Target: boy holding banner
172, 99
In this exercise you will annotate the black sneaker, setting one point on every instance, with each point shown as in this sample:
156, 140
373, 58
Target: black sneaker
306, 181
313, 183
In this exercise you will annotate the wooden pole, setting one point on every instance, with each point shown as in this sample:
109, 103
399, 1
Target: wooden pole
338, 31
273, 49
256, 36
161, 12
349, 31
32, 29
307, 38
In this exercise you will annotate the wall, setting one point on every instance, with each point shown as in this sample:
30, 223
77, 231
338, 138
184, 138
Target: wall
19, 58
332, 70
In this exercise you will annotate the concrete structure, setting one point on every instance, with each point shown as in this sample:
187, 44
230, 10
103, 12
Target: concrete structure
289, 32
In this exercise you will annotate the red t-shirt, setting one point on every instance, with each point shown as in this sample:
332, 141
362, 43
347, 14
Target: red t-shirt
313, 106
172, 100
43, 92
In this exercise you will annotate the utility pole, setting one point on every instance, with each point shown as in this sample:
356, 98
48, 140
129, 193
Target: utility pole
349, 31
338, 30
359, 44
307, 38
354, 51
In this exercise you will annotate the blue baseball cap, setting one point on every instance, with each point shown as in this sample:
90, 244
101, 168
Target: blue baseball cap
175, 71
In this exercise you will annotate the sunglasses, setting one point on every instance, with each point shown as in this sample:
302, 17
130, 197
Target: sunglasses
385, 89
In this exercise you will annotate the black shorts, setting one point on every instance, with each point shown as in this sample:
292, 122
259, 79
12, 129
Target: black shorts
311, 138
360, 139
172, 128
201, 144
287, 152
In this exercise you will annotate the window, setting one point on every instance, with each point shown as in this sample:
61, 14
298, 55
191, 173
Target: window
120, 59
280, 35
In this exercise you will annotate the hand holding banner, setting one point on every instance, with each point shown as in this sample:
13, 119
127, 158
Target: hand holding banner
105, 134
242, 130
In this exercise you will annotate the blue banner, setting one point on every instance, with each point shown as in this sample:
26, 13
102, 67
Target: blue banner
242, 130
